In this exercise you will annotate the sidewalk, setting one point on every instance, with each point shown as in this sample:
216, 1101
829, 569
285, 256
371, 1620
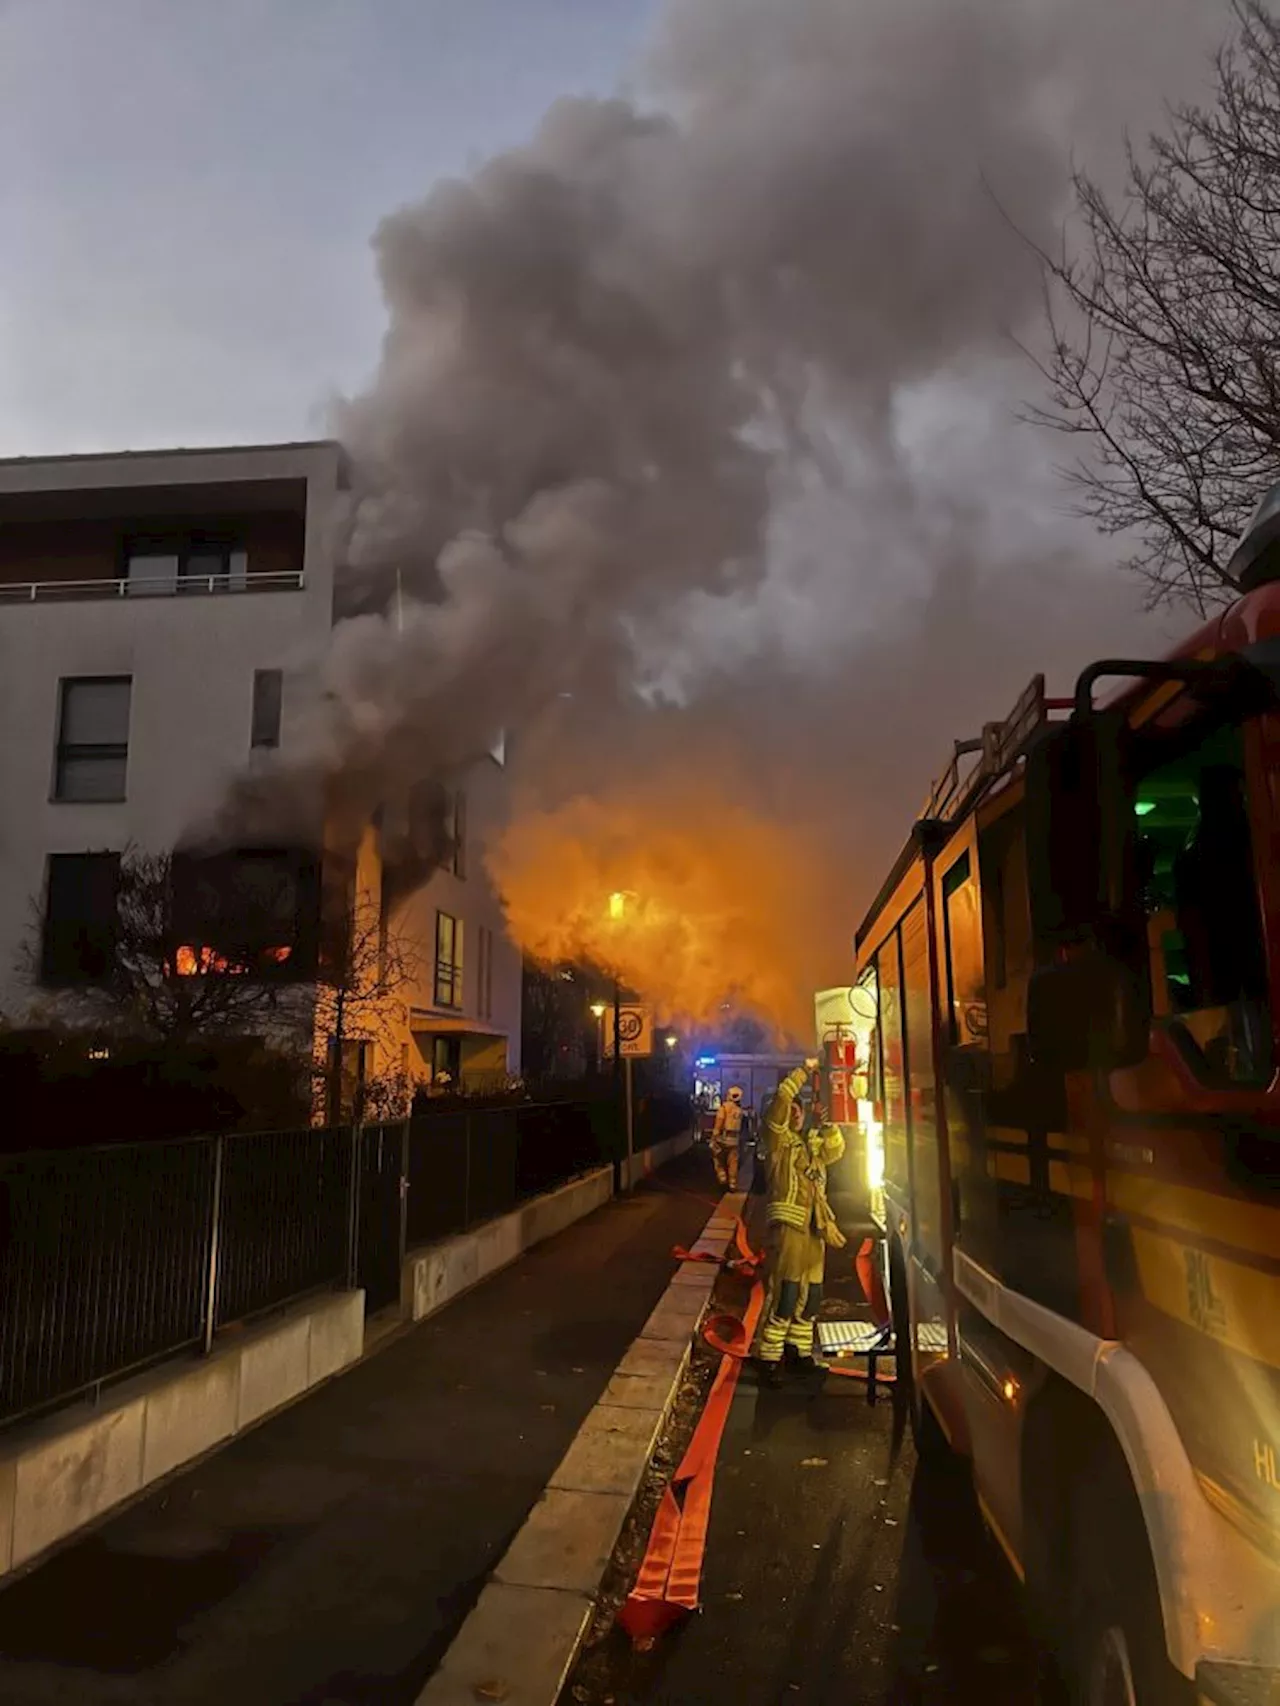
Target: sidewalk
329, 1557
838, 1571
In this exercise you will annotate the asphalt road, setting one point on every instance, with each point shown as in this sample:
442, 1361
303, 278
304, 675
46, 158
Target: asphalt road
328, 1557
839, 1572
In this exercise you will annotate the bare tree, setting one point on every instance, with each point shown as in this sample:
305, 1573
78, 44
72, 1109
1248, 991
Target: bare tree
142, 979
359, 1011
1165, 323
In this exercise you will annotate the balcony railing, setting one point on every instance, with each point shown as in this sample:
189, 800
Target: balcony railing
161, 586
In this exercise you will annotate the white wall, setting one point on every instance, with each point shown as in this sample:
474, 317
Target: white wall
192, 659
472, 899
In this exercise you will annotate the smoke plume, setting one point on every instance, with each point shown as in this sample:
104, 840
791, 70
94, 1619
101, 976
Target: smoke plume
691, 462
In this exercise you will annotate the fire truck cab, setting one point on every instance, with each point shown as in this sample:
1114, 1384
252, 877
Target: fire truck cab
1075, 970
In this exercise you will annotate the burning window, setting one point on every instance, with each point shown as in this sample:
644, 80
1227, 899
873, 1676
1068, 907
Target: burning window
244, 914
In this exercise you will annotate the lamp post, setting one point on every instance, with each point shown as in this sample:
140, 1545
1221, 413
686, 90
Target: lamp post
598, 1011
621, 1073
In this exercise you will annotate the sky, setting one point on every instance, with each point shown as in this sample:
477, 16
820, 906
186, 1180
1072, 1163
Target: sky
695, 431
189, 192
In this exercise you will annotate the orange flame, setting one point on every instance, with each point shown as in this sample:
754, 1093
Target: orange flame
691, 900
192, 961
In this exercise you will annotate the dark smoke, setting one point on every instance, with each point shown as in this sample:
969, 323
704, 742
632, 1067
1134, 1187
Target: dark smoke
705, 403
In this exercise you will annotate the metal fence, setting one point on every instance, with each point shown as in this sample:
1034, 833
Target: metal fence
283, 1225
465, 1167
114, 1257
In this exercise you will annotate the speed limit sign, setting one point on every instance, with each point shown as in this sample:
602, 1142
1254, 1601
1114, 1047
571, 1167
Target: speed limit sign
635, 1031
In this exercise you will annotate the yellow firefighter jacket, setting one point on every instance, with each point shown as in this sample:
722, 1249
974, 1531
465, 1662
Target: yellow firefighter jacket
798, 1163
728, 1123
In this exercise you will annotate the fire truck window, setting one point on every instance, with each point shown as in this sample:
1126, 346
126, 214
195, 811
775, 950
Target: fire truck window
891, 1064
865, 1000
922, 1090
1007, 920
1204, 925
966, 994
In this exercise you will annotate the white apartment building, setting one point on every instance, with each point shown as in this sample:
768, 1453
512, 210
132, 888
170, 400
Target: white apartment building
158, 610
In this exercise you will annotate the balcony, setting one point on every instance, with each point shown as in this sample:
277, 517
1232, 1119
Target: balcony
161, 586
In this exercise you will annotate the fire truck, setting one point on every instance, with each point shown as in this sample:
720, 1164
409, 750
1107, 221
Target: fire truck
1073, 1098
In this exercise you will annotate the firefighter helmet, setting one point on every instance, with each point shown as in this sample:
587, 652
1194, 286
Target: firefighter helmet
735, 1094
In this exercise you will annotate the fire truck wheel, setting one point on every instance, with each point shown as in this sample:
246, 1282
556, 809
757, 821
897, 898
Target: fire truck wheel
930, 1441
1117, 1654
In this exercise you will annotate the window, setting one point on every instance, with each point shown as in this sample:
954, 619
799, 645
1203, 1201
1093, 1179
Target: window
268, 696
922, 1121
448, 960
446, 1058
194, 562
484, 968
150, 568
350, 1063
865, 1000
93, 739
1204, 921
249, 912
893, 1064
456, 829
966, 996
78, 941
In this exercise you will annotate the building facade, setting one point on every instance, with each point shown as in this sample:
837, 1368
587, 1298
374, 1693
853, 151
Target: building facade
159, 612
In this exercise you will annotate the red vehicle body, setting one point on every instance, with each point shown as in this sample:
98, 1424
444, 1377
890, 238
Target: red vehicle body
1075, 965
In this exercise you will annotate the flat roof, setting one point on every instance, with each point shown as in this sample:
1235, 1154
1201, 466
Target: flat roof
171, 450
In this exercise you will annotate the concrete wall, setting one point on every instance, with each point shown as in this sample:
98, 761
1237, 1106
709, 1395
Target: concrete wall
59, 1475
649, 1160
191, 659
435, 1275
63, 1473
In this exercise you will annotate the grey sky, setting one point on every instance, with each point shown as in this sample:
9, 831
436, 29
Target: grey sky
189, 190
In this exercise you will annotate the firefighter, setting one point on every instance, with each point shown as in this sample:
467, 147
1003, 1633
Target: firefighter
801, 1228
726, 1134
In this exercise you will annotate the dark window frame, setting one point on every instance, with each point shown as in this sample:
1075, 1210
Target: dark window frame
56, 970
957, 877
449, 965
1188, 744
184, 544
215, 896
107, 751
484, 968
267, 710
458, 832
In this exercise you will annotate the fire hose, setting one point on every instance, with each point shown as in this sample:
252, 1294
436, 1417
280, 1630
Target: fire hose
670, 1575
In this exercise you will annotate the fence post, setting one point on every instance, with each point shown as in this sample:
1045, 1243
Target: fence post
404, 1193
353, 1210
466, 1175
215, 1236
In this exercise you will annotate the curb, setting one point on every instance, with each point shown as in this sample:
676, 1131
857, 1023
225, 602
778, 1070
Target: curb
520, 1642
